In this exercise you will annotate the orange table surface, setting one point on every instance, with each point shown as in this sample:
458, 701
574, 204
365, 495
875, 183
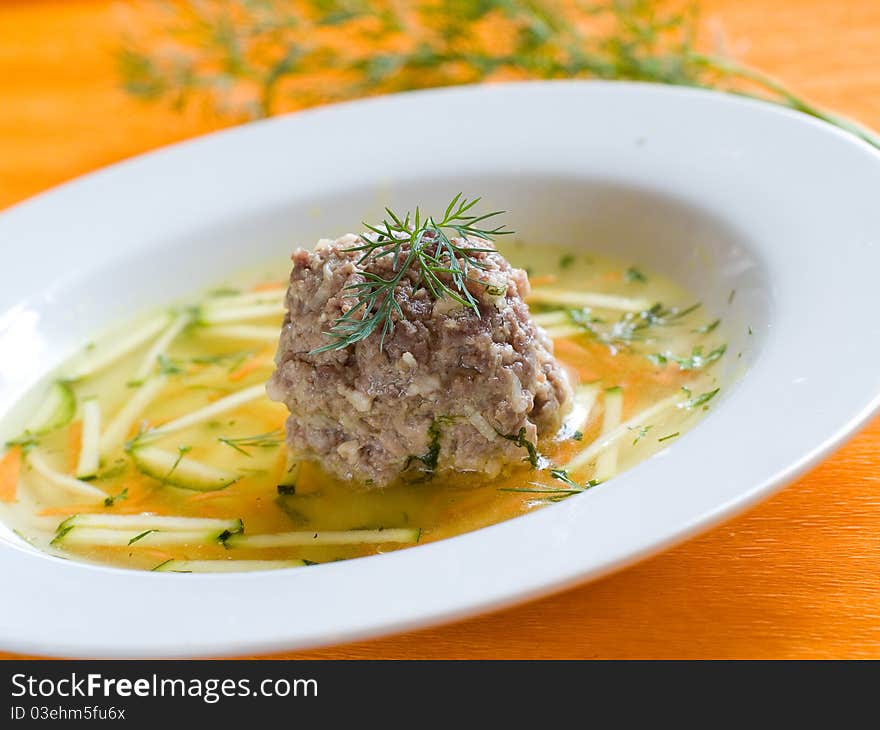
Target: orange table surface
798, 576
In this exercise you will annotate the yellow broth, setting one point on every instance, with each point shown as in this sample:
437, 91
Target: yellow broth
202, 366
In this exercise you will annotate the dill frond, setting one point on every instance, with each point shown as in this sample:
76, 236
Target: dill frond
440, 249
255, 58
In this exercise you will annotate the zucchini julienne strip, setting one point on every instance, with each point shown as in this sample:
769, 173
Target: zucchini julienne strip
564, 331
118, 429
97, 536
217, 315
600, 444
105, 354
255, 332
305, 539
223, 405
606, 462
142, 522
555, 318
288, 479
580, 299
55, 411
237, 301
160, 346
585, 397
63, 481
225, 566
90, 452
180, 471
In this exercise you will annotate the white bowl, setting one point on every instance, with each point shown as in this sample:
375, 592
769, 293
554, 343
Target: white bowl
722, 193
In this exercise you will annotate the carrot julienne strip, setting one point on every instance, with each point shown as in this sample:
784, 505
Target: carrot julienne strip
252, 364
10, 470
74, 445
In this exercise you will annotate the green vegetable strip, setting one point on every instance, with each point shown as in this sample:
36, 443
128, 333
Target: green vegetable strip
217, 315
117, 430
56, 410
161, 345
63, 481
606, 463
225, 566
243, 332
600, 444
223, 405
89, 536
178, 470
585, 397
89, 455
303, 539
111, 350
592, 300
569, 330
551, 319
151, 522
236, 301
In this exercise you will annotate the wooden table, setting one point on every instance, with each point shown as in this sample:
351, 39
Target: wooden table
798, 576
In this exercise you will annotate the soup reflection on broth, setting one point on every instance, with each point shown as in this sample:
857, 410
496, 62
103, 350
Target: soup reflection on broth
156, 447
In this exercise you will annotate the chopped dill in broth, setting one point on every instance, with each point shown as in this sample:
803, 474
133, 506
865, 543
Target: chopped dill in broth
157, 448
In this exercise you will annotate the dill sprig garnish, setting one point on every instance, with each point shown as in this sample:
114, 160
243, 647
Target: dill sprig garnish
268, 440
27, 441
641, 432
440, 250
632, 326
555, 494
168, 366
431, 457
707, 328
254, 58
519, 439
632, 274
182, 451
695, 361
136, 538
230, 360
113, 499
697, 401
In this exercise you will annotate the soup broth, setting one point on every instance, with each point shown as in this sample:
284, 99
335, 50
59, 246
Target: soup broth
156, 448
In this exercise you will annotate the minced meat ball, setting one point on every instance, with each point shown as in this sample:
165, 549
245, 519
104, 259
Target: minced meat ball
441, 392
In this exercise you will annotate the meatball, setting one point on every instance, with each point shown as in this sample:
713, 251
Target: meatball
446, 389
